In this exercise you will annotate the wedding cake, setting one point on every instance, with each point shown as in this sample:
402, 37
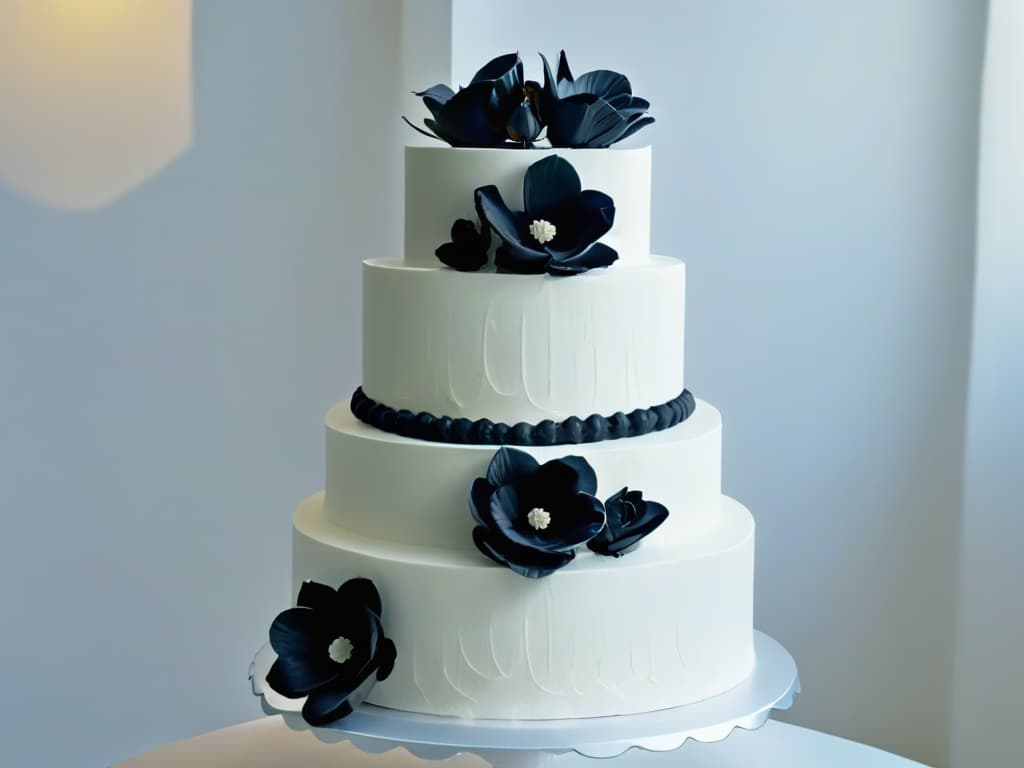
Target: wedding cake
523, 515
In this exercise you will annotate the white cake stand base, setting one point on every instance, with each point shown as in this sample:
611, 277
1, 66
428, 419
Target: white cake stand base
773, 684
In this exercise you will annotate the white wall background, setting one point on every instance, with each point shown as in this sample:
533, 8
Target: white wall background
165, 361
165, 364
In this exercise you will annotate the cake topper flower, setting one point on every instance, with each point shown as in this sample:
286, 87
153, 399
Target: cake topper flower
496, 109
558, 231
596, 109
531, 517
331, 648
629, 519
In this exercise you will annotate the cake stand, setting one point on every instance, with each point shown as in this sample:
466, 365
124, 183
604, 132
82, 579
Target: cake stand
773, 685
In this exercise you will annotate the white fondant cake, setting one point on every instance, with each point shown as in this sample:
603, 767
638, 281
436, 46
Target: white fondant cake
670, 621
523, 347
394, 488
660, 627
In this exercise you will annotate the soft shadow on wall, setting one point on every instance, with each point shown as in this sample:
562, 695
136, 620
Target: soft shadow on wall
95, 97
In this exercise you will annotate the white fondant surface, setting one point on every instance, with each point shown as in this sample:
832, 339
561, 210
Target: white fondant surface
527, 348
397, 489
659, 627
440, 182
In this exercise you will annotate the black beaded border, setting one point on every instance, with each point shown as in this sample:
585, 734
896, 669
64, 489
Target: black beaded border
443, 429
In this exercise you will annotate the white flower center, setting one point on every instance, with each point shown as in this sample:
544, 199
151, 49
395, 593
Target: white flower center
542, 231
340, 650
539, 519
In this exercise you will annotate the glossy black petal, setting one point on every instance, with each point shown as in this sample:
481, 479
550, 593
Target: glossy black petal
467, 251
491, 209
523, 125
515, 257
586, 477
317, 596
556, 483
430, 124
460, 258
596, 256
579, 522
435, 97
564, 73
498, 68
601, 82
355, 592
580, 223
525, 561
480, 501
294, 676
629, 519
386, 656
334, 702
550, 185
463, 121
635, 125
299, 631
510, 466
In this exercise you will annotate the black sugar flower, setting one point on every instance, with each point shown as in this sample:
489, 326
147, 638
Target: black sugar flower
467, 251
331, 649
629, 519
596, 109
497, 107
558, 231
531, 517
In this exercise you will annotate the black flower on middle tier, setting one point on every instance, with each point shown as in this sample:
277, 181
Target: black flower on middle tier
630, 517
530, 516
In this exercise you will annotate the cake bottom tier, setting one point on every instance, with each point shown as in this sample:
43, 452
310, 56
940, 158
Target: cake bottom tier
602, 636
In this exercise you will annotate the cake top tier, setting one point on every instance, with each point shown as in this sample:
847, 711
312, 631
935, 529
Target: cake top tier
441, 185
564, 207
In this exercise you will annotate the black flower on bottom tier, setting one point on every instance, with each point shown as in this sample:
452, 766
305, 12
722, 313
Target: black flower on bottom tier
629, 518
331, 648
531, 517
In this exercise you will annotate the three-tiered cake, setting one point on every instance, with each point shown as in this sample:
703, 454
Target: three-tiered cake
583, 372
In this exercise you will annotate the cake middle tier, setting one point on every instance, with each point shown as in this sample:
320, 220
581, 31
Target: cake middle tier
523, 348
392, 488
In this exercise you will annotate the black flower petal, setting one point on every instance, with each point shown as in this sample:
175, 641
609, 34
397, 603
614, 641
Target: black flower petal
582, 221
386, 655
467, 251
360, 592
334, 702
559, 480
578, 521
550, 184
531, 563
523, 125
296, 676
595, 109
510, 466
435, 97
463, 120
629, 519
480, 501
299, 631
596, 256
313, 594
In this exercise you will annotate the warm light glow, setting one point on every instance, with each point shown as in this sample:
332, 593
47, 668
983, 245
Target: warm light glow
95, 95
